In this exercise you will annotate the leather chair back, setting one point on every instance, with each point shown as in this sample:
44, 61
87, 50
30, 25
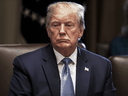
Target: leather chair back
120, 74
7, 54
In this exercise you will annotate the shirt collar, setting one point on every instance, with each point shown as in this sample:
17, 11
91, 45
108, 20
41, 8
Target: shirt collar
59, 57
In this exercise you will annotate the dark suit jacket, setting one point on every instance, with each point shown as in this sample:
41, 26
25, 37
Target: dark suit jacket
36, 74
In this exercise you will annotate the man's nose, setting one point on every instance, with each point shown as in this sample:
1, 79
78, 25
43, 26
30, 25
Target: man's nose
62, 29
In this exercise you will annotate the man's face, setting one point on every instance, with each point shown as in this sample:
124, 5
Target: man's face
64, 29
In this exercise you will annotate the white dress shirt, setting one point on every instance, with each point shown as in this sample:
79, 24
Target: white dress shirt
72, 65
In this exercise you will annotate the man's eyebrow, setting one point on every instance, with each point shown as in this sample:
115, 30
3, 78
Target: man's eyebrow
55, 22
64, 22
69, 21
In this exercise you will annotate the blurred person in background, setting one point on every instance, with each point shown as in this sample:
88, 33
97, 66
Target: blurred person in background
119, 45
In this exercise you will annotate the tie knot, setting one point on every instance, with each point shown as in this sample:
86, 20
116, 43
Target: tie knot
66, 61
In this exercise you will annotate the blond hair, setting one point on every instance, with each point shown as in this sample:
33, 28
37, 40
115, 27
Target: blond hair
79, 11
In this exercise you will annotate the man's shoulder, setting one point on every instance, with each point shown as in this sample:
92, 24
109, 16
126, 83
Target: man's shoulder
96, 61
33, 55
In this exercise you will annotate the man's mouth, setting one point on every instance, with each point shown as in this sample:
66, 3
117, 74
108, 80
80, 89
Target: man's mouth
63, 40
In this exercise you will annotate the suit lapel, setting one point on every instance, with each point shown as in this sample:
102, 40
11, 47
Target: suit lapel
50, 68
82, 74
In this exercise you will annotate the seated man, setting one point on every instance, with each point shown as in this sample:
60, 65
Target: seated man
62, 68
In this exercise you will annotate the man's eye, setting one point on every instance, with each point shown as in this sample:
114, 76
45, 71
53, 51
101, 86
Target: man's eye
55, 25
69, 25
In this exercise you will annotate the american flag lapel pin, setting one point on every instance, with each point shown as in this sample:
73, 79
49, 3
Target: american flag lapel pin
86, 69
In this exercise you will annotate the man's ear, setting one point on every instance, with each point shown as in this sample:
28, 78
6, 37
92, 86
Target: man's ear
81, 31
48, 32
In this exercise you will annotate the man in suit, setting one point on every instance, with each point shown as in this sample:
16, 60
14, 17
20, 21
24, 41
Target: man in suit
40, 73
